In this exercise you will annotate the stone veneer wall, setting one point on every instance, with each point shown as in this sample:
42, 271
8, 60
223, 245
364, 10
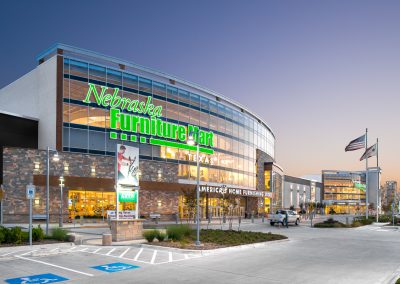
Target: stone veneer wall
261, 158
19, 168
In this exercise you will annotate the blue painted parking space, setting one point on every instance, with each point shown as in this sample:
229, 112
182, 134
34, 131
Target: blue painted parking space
115, 267
37, 279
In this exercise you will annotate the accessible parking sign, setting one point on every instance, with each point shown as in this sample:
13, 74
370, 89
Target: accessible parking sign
37, 279
115, 267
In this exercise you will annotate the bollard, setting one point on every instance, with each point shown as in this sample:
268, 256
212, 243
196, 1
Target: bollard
252, 217
156, 220
262, 218
347, 221
107, 240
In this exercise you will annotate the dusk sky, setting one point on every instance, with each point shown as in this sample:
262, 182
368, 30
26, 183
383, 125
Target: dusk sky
318, 72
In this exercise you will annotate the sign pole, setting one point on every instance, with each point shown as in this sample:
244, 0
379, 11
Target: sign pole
30, 221
137, 204
30, 194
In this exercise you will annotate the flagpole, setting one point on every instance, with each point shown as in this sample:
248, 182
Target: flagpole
377, 190
366, 174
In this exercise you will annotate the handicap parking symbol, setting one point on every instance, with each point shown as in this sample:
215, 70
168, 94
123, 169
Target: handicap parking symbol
115, 267
37, 279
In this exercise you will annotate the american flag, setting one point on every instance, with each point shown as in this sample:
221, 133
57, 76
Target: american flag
356, 144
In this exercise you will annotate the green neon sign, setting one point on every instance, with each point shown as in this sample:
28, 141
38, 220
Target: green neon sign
132, 124
360, 186
127, 196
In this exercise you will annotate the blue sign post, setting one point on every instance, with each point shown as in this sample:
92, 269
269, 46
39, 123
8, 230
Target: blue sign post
115, 267
37, 279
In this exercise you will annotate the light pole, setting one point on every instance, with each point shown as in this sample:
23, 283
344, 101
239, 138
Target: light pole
60, 222
191, 141
56, 158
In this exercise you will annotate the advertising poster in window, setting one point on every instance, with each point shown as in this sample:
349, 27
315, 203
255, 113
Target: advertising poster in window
127, 166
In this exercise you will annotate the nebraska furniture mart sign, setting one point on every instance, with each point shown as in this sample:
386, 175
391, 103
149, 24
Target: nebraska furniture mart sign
234, 191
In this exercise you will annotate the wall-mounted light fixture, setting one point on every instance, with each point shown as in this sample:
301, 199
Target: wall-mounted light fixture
159, 203
66, 167
36, 166
93, 170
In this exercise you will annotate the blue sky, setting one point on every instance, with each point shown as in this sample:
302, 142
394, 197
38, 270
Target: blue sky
318, 72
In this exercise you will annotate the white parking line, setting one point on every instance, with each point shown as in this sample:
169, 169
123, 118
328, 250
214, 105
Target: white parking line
186, 256
53, 250
97, 250
122, 254
169, 256
57, 266
27, 252
153, 257
84, 249
138, 254
108, 253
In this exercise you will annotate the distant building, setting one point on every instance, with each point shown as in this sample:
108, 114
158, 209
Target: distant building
298, 192
389, 192
345, 191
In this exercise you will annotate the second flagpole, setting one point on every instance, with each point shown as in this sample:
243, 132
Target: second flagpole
377, 190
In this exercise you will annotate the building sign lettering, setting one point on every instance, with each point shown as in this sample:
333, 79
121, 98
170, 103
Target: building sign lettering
150, 125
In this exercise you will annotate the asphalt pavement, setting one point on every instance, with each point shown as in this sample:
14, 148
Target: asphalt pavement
367, 254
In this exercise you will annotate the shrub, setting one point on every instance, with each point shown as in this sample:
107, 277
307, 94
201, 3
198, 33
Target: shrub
4, 234
15, 236
59, 234
37, 234
150, 235
178, 232
398, 281
356, 224
161, 236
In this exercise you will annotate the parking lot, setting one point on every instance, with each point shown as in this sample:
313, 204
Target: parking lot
361, 255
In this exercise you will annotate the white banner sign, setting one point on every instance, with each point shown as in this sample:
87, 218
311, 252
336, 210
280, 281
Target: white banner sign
127, 165
123, 215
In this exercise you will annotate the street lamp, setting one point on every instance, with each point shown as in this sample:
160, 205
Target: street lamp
192, 142
60, 222
56, 158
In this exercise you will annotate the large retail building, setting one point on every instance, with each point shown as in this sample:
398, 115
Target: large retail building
81, 104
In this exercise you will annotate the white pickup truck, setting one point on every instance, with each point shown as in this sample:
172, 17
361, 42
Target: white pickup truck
280, 217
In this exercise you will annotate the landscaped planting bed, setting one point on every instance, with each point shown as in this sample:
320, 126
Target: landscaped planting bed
183, 236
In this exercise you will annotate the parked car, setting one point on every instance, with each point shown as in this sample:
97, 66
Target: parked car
280, 217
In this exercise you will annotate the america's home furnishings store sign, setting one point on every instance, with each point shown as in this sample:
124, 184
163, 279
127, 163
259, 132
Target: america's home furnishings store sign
145, 119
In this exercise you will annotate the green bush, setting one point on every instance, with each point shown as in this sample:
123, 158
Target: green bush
59, 234
364, 221
37, 234
15, 235
161, 236
4, 234
150, 235
398, 281
356, 224
178, 232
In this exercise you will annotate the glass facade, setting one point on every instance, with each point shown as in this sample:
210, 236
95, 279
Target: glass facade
344, 192
237, 134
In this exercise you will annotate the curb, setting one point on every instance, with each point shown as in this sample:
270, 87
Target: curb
211, 251
37, 247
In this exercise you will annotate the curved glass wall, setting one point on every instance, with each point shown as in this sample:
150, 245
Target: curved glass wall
237, 134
